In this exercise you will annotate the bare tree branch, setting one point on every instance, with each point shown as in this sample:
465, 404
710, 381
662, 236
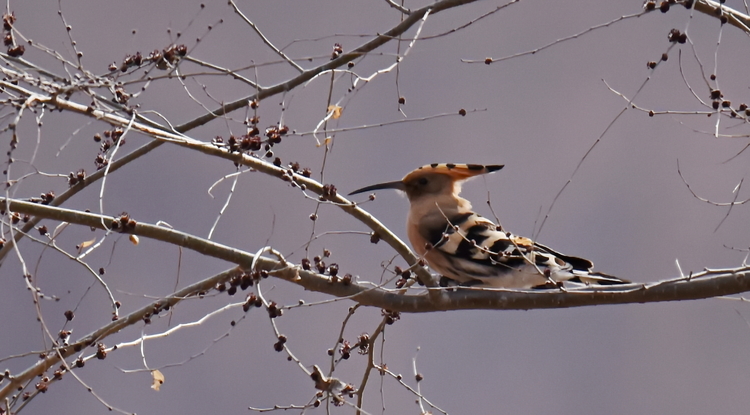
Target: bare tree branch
398, 7
719, 10
706, 284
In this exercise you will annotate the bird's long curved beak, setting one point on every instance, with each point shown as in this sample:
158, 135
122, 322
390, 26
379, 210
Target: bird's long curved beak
398, 185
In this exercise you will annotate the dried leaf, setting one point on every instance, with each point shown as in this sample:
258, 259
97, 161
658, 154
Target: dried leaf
158, 379
336, 111
329, 384
84, 245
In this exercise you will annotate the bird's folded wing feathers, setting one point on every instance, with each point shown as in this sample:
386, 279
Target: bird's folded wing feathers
471, 237
475, 246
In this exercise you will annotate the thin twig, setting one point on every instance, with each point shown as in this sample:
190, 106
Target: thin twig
264, 38
398, 7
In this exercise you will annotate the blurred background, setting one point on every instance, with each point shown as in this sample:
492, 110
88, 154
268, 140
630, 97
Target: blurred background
627, 208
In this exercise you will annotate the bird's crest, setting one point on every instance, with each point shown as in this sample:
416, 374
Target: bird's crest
455, 171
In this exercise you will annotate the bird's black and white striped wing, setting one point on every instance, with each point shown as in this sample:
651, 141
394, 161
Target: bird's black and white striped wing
472, 250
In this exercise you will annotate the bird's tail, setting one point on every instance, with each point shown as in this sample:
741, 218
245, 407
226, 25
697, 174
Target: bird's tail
596, 278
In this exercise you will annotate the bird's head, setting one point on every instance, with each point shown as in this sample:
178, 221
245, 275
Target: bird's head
434, 180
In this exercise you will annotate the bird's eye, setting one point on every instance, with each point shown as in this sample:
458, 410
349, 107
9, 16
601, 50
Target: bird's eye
422, 181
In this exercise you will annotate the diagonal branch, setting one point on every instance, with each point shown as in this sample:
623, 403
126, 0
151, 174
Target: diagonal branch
398, 7
719, 10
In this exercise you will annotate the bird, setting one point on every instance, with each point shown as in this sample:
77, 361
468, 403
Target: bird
470, 250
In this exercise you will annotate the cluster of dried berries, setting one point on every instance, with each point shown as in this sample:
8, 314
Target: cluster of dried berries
346, 279
146, 316
404, 276
154, 311
47, 198
665, 4
274, 310
163, 60
337, 51
15, 217
717, 98
130, 60
121, 96
252, 301
329, 192
241, 280
305, 263
363, 343
652, 64
158, 307
42, 385
123, 223
252, 141
274, 133
347, 390
279, 345
101, 351
294, 168
75, 178
345, 349
111, 138
100, 161
44, 198
675, 36
718, 101
374, 237
320, 265
14, 50
362, 346
64, 336
390, 316
332, 270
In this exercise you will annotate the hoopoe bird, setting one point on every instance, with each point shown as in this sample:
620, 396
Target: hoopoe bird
471, 250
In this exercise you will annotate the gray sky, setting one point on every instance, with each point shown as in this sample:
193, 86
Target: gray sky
627, 209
